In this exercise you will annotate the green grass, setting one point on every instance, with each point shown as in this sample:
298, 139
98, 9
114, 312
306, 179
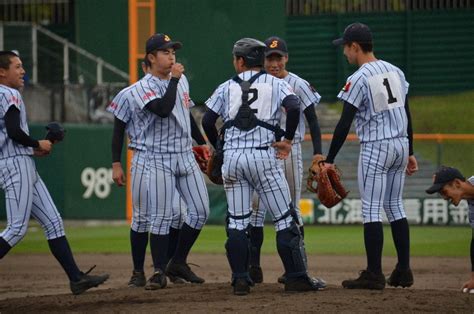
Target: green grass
327, 240
449, 114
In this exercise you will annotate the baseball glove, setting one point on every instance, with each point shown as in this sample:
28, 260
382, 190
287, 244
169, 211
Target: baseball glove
55, 132
202, 155
329, 187
214, 167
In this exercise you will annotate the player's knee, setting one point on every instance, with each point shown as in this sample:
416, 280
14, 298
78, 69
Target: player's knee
54, 228
15, 234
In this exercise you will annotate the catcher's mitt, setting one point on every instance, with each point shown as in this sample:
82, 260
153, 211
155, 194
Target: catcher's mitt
55, 132
214, 167
329, 186
202, 155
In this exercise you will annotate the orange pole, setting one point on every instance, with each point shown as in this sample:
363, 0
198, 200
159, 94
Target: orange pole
134, 54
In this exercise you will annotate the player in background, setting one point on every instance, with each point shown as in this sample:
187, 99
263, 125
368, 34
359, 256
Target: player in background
276, 58
376, 95
25, 192
252, 146
453, 187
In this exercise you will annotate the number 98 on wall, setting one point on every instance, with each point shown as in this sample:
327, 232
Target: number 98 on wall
96, 181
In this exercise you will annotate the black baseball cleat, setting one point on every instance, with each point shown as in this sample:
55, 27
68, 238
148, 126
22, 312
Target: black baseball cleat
256, 274
137, 280
366, 280
157, 281
183, 271
87, 281
176, 280
300, 284
320, 283
402, 278
282, 279
241, 286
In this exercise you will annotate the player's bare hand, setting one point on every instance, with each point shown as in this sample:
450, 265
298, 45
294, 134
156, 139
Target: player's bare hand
177, 70
412, 166
117, 174
45, 146
40, 153
326, 165
283, 149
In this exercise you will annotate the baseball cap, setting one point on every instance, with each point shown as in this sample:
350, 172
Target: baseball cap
443, 176
276, 45
161, 41
355, 32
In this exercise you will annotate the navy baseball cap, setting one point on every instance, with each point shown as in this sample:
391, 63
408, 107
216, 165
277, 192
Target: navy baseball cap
355, 32
443, 176
276, 45
161, 41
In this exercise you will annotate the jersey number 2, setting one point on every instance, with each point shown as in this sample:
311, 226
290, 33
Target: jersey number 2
391, 99
254, 93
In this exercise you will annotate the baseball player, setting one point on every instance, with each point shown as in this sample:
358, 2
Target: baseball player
25, 192
276, 58
168, 133
376, 95
452, 186
250, 106
130, 118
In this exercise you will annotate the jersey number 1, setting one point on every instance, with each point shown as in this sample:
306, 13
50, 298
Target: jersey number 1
391, 99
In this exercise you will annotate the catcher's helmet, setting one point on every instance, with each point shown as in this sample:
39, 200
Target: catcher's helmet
252, 50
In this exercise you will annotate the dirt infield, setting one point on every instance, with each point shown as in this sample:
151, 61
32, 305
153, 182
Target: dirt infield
35, 283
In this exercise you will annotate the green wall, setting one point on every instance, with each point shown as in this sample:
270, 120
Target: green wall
433, 48
208, 30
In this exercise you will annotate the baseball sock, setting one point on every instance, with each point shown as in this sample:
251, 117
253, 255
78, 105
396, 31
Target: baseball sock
159, 250
138, 242
256, 241
174, 236
62, 252
401, 238
373, 239
187, 237
4, 247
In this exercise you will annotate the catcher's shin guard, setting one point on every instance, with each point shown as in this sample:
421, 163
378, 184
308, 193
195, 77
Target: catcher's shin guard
290, 247
237, 248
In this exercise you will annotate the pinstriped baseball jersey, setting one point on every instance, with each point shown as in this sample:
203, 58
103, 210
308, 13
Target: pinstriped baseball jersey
265, 97
125, 108
307, 96
378, 89
470, 203
8, 148
173, 133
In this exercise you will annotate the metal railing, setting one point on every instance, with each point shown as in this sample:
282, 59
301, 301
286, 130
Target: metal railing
315, 7
65, 54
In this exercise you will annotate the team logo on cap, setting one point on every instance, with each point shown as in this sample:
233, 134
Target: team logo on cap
346, 87
167, 38
274, 44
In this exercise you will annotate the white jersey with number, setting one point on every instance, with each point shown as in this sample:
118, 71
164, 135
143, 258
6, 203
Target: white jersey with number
173, 133
265, 97
9, 148
378, 90
307, 96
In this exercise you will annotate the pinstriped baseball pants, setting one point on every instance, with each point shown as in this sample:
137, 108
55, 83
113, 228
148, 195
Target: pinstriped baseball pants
141, 213
246, 171
381, 178
170, 174
293, 170
26, 195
